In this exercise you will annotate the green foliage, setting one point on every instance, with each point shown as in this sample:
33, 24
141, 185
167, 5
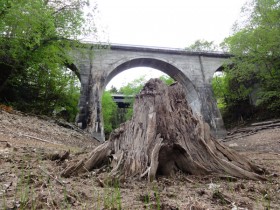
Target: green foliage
166, 79
134, 87
232, 98
219, 89
254, 77
50, 92
34, 33
130, 91
202, 45
34, 41
68, 89
109, 109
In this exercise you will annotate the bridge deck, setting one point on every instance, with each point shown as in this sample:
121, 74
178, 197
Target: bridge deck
142, 48
121, 100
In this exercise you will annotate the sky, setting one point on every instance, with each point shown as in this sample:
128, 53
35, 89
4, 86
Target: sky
163, 23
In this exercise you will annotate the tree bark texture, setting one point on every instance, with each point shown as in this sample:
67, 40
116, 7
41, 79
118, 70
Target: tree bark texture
163, 137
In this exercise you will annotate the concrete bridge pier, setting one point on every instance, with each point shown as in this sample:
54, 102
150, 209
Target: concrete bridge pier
90, 115
210, 111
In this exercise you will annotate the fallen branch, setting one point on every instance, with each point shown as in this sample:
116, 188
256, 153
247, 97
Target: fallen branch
228, 178
39, 139
230, 138
61, 183
266, 122
4, 141
145, 172
189, 180
248, 131
73, 169
100, 182
99, 170
69, 126
114, 170
31, 137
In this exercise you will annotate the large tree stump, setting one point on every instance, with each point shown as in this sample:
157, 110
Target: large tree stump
165, 136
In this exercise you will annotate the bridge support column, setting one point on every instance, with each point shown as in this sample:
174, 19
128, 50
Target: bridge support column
90, 115
210, 111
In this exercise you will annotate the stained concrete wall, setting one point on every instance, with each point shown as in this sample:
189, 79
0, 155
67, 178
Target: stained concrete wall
192, 69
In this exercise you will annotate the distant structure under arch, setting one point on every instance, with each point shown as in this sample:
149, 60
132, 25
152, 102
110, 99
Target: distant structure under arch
98, 64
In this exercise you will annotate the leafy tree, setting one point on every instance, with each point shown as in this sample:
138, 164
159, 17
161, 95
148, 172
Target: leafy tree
34, 34
34, 41
219, 88
109, 111
113, 89
130, 91
202, 45
52, 92
232, 98
255, 46
134, 87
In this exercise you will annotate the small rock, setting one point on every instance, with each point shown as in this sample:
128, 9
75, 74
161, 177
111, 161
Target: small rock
213, 186
233, 145
239, 187
8, 145
201, 192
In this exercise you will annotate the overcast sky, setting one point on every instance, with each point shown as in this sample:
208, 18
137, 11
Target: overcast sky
164, 23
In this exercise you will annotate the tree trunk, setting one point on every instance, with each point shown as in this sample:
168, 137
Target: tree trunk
6, 72
163, 137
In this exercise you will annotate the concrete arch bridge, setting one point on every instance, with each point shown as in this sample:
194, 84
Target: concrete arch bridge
98, 64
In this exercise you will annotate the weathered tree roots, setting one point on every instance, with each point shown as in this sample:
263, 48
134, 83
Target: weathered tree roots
164, 136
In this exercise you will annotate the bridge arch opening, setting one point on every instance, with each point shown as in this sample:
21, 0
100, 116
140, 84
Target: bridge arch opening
74, 69
141, 74
165, 67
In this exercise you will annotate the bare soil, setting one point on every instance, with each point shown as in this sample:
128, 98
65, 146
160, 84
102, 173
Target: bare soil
33, 154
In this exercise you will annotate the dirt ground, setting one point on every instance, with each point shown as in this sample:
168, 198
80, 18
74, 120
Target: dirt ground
33, 152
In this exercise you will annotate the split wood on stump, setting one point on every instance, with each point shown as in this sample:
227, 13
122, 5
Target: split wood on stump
164, 136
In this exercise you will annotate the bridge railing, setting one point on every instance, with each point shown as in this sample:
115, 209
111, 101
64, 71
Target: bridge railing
155, 48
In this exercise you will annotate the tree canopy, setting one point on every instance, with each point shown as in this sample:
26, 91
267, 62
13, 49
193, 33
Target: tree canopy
109, 109
34, 34
254, 77
202, 45
34, 41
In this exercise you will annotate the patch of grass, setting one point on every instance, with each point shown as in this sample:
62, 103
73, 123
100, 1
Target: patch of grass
66, 203
157, 197
112, 196
4, 205
24, 188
